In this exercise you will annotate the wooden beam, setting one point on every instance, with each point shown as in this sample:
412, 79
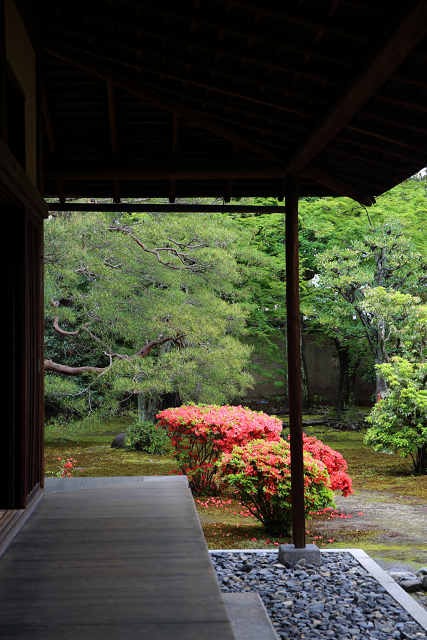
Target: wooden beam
196, 172
179, 171
156, 97
146, 206
294, 361
381, 64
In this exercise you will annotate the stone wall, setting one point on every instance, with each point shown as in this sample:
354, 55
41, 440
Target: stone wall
322, 372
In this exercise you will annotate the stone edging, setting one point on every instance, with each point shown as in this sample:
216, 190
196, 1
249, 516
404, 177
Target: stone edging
418, 613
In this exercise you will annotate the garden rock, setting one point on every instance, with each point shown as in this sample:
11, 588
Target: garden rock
411, 585
344, 603
119, 441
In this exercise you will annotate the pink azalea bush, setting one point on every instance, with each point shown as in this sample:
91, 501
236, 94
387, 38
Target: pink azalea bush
334, 461
260, 472
201, 434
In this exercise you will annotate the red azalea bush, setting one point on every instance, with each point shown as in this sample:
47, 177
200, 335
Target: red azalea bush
201, 434
260, 471
334, 461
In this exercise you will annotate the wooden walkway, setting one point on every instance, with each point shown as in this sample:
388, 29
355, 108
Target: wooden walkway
123, 561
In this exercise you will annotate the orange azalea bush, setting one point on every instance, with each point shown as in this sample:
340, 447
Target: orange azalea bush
260, 471
201, 434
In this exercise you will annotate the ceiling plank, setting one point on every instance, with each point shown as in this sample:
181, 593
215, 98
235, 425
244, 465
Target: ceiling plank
278, 103
140, 62
256, 34
387, 57
204, 45
343, 188
295, 18
105, 72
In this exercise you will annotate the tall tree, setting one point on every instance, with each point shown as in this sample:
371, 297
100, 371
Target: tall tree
142, 305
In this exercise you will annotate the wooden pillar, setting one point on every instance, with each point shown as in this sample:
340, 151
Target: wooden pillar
294, 360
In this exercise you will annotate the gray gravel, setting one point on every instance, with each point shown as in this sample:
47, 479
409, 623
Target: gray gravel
337, 600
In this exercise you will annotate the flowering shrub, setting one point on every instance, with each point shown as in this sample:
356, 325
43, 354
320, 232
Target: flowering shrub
334, 462
200, 434
261, 473
67, 468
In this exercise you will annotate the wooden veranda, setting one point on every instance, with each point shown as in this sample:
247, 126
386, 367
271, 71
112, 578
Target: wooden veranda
185, 99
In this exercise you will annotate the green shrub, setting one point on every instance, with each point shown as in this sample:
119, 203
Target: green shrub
399, 420
146, 436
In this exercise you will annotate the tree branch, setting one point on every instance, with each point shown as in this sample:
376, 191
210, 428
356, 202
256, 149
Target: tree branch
66, 333
49, 365
71, 371
181, 256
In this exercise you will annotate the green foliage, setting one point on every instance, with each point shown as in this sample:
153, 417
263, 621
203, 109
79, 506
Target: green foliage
399, 420
116, 285
146, 436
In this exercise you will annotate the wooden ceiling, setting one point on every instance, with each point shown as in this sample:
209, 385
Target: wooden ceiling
224, 98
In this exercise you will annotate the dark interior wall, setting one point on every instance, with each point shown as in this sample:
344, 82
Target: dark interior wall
21, 450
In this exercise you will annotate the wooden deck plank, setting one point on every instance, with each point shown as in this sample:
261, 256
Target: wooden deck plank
126, 561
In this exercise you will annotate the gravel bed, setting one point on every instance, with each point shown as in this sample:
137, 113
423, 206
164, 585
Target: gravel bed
337, 600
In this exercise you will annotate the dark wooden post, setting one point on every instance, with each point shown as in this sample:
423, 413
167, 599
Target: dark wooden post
294, 360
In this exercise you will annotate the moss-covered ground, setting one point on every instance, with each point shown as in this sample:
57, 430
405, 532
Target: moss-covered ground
378, 479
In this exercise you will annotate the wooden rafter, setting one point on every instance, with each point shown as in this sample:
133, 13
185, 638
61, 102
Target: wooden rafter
303, 19
338, 185
388, 56
103, 71
140, 62
255, 34
388, 136
277, 102
196, 43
